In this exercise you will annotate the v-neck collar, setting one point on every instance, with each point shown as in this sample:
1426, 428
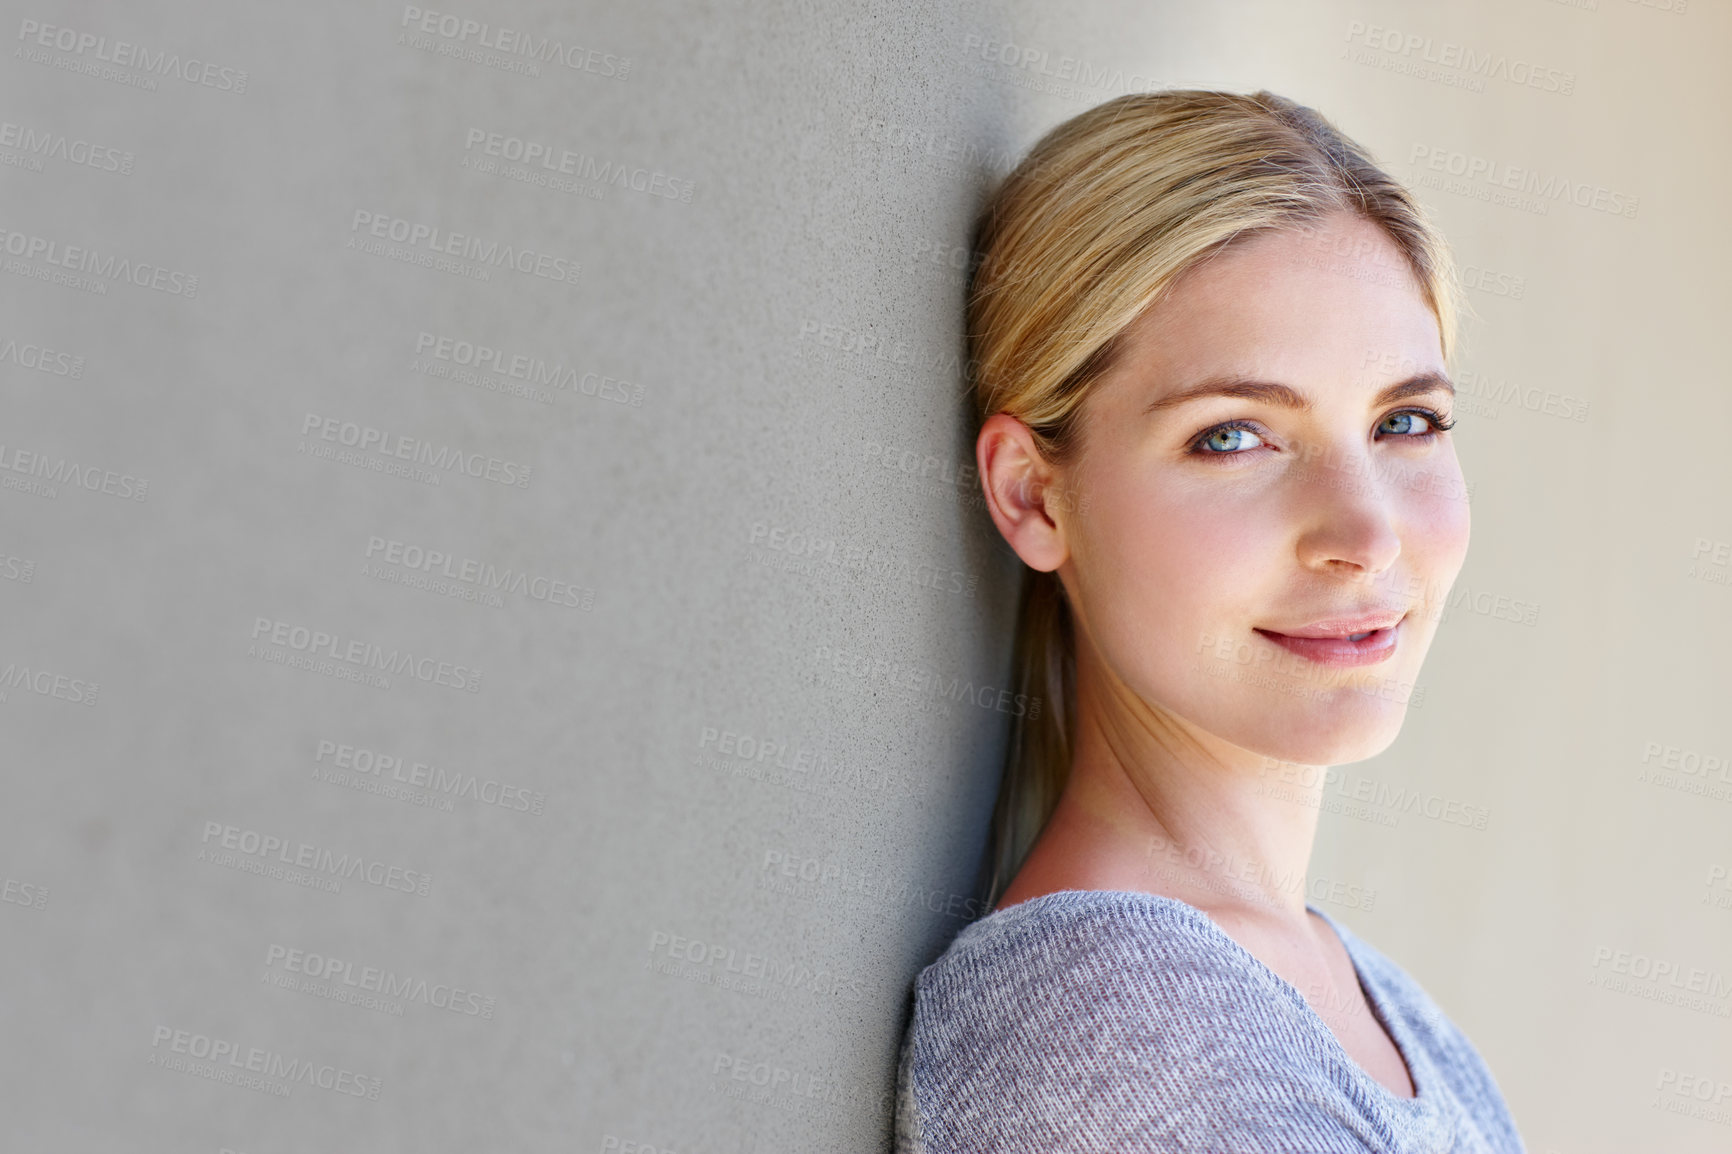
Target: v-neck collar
1419, 1110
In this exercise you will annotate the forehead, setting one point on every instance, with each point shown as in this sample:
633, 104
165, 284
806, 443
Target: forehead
1332, 303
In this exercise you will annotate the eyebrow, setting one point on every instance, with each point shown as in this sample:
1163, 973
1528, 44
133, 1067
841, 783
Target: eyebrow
1286, 396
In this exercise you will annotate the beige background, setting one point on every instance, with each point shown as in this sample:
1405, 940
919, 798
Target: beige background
748, 553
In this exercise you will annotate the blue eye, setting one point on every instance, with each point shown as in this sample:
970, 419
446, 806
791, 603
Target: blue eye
1229, 438
1431, 419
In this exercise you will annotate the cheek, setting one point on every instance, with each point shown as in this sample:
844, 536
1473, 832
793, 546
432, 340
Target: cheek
1172, 560
1437, 530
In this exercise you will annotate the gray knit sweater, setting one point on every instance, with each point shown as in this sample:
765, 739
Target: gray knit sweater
1106, 1020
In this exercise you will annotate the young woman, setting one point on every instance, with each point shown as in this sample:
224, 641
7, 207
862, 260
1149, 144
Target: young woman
1210, 340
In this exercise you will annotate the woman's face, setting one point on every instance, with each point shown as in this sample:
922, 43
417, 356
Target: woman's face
1227, 545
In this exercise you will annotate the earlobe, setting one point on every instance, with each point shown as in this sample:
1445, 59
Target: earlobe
1017, 483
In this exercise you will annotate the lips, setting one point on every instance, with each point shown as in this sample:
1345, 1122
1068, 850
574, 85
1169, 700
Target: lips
1347, 641
1343, 626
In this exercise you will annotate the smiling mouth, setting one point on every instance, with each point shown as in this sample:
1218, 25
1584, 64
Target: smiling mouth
1346, 649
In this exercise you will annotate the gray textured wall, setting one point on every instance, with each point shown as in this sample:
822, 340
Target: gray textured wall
663, 792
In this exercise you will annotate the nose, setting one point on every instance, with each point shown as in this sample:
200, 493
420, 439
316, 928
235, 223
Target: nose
1347, 516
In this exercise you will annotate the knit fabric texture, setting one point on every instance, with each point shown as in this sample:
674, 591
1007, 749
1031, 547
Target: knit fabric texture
1106, 1020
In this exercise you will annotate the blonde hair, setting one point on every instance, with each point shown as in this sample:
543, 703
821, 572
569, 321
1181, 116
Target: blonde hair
1091, 228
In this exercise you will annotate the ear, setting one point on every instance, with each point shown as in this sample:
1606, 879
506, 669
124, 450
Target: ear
1021, 492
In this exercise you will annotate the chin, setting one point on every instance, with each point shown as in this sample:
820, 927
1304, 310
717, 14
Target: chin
1336, 733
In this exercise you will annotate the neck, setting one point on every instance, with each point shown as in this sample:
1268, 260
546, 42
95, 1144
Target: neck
1155, 805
